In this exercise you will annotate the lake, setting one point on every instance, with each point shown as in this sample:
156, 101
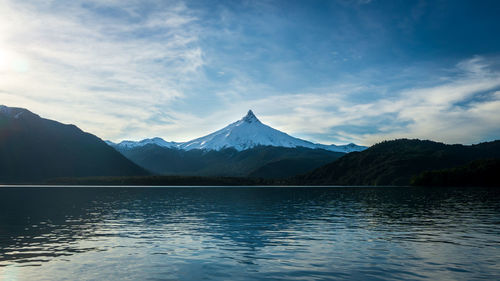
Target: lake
249, 233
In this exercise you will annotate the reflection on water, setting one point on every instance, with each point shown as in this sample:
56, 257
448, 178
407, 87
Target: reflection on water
152, 233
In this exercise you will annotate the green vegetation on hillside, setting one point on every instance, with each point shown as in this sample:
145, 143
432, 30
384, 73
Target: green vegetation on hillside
262, 161
476, 173
163, 181
396, 162
34, 149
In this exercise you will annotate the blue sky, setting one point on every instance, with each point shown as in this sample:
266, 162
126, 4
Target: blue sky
328, 71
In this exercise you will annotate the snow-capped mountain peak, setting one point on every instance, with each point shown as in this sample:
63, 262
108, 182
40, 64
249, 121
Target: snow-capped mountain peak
243, 134
156, 141
15, 112
250, 118
248, 132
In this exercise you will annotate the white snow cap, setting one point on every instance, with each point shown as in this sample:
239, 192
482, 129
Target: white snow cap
13, 112
250, 117
246, 133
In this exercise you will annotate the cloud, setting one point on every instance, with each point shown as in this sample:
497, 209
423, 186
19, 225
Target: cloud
79, 56
459, 110
137, 69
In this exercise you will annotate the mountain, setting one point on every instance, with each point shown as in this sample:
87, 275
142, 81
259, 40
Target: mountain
259, 161
243, 134
397, 162
133, 144
34, 149
246, 148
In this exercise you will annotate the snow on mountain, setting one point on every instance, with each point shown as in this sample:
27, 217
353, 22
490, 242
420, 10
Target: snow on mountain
243, 134
156, 141
12, 112
341, 148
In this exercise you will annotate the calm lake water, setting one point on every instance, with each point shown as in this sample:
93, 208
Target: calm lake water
256, 233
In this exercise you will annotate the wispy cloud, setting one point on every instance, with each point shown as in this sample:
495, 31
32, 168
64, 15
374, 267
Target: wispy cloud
461, 109
334, 74
79, 57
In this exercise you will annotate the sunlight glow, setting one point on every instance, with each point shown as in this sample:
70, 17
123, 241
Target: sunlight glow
10, 61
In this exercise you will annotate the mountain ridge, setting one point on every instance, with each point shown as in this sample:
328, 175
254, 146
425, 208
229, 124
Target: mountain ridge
33, 148
246, 133
396, 162
259, 161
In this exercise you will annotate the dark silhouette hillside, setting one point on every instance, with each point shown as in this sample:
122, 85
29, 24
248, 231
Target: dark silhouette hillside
397, 162
261, 161
34, 148
483, 172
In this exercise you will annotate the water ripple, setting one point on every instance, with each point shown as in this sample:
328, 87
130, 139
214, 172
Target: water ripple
249, 233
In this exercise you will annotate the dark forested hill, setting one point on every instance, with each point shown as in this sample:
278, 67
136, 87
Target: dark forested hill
484, 172
397, 162
261, 161
33, 148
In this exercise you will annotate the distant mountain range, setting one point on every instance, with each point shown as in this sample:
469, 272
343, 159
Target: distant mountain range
34, 149
37, 150
259, 161
398, 162
245, 148
243, 134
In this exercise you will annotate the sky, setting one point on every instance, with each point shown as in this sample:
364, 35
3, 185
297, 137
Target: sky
337, 72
